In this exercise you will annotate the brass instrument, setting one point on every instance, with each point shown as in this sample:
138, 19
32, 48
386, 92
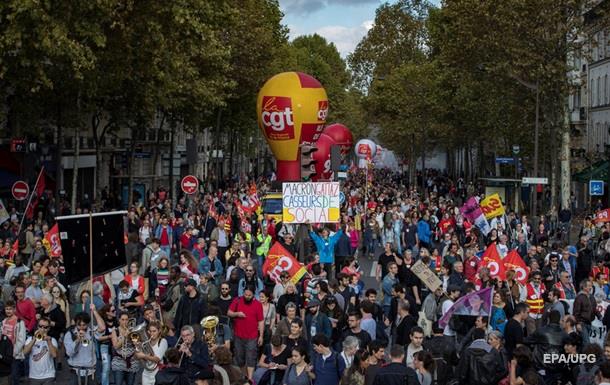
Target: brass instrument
208, 325
178, 344
141, 342
39, 336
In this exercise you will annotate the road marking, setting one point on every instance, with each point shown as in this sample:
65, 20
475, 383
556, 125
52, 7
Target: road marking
373, 269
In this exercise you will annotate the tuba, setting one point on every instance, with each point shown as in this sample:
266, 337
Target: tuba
141, 342
208, 324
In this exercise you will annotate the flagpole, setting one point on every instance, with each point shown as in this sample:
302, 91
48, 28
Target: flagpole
30, 201
91, 259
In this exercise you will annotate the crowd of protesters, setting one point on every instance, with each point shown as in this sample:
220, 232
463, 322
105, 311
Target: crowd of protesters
201, 258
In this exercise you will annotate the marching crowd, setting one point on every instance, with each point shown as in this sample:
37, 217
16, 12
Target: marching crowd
195, 305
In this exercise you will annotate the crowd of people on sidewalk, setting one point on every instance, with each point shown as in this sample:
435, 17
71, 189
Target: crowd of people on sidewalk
194, 303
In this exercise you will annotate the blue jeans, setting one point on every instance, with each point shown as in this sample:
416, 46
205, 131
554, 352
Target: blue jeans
120, 376
105, 359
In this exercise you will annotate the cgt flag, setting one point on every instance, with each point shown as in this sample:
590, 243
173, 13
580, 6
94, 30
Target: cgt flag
491, 259
51, 241
279, 260
513, 261
477, 303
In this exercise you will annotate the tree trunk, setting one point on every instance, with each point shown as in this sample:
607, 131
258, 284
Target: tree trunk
565, 164
75, 168
171, 159
59, 172
132, 150
155, 160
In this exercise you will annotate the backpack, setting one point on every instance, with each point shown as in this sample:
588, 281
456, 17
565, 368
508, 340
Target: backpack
485, 369
381, 334
586, 375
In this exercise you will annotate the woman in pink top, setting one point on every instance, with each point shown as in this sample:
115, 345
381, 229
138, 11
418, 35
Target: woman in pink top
354, 237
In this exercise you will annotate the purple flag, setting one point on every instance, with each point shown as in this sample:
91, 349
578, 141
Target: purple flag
472, 211
477, 303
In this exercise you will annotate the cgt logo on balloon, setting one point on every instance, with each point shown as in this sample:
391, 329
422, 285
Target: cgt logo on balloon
277, 117
322, 110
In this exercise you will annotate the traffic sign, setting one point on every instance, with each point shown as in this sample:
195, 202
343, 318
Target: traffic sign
189, 184
505, 160
534, 180
341, 197
20, 190
596, 187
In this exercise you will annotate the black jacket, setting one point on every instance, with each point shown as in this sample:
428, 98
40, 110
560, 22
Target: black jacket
172, 376
547, 339
479, 366
190, 310
199, 359
396, 374
57, 316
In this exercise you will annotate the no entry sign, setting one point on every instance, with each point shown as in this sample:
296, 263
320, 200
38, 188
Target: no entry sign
20, 190
189, 184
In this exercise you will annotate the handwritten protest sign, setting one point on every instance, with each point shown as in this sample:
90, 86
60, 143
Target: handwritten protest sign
426, 275
311, 202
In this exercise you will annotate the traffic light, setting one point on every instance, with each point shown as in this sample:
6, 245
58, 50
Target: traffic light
307, 161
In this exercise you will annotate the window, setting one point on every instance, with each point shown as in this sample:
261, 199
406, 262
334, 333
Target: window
606, 89
598, 91
592, 93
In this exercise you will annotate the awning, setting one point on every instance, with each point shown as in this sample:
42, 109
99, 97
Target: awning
597, 171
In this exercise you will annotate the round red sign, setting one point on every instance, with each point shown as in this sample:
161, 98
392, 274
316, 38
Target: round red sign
189, 184
20, 190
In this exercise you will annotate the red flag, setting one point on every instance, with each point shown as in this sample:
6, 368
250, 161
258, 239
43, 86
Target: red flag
513, 261
491, 259
36, 194
212, 211
14, 250
52, 243
278, 260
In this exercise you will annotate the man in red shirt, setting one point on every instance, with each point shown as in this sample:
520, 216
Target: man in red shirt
248, 327
25, 309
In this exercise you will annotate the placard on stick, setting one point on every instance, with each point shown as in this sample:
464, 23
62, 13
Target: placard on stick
426, 275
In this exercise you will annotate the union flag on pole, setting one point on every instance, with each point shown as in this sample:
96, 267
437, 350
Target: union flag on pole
279, 260
51, 241
36, 194
491, 259
513, 261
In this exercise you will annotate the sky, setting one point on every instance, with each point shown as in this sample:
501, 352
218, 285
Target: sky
343, 22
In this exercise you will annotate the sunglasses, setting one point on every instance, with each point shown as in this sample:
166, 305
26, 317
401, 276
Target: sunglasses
43, 327
249, 271
224, 288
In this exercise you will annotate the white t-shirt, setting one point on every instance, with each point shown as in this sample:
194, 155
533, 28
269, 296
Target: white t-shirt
446, 306
41, 361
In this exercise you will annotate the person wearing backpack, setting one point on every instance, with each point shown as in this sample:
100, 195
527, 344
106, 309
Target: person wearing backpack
396, 372
586, 372
480, 364
327, 367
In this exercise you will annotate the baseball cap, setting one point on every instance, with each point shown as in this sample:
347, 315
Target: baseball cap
572, 250
314, 302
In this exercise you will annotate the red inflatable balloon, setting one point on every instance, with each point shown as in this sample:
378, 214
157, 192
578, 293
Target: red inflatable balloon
341, 135
322, 157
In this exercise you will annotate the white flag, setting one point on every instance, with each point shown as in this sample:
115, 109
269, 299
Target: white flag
3, 213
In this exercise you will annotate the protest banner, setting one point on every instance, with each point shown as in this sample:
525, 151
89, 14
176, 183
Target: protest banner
513, 261
426, 275
477, 303
51, 241
602, 216
279, 260
311, 202
492, 206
